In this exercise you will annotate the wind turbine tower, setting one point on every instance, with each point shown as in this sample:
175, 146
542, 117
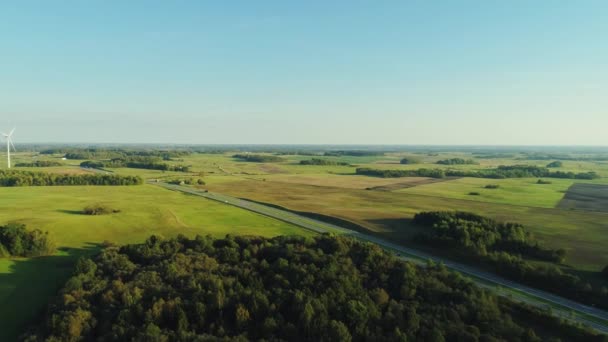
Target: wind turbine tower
9, 143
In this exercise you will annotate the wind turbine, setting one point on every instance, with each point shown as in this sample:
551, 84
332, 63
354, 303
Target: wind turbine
9, 143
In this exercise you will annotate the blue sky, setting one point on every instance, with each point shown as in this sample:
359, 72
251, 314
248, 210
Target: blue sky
340, 72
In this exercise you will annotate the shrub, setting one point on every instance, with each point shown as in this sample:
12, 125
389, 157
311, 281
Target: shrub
474, 193
555, 164
409, 160
542, 181
98, 209
492, 186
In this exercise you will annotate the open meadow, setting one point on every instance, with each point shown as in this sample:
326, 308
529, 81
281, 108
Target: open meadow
27, 284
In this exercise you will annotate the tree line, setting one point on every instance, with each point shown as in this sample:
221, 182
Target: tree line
17, 241
103, 153
258, 158
501, 172
500, 247
150, 163
292, 288
30, 178
40, 163
456, 161
319, 161
353, 153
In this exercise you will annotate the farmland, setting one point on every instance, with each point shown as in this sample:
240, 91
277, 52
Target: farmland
551, 210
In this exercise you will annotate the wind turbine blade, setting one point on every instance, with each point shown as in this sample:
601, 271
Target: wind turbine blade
12, 131
14, 149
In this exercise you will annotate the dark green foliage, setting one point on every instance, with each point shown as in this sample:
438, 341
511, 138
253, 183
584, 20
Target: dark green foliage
17, 241
99, 153
150, 163
492, 186
40, 163
281, 289
354, 153
319, 161
98, 209
187, 181
456, 161
28, 178
432, 173
542, 181
515, 171
258, 158
500, 247
474, 193
556, 163
409, 160
605, 272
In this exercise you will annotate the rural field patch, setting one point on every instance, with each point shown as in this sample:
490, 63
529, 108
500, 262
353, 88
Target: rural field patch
581, 196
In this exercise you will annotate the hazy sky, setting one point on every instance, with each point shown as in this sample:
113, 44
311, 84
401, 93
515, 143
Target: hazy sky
379, 72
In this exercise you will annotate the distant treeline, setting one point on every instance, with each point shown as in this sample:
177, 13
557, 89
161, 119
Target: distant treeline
353, 153
135, 162
40, 163
288, 288
556, 156
100, 153
258, 158
456, 161
29, 178
514, 171
16, 241
500, 247
480, 155
319, 161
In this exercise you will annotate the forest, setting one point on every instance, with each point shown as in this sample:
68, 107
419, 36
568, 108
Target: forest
40, 163
292, 288
29, 178
150, 163
258, 158
104, 153
17, 241
456, 161
319, 161
353, 153
501, 172
500, 247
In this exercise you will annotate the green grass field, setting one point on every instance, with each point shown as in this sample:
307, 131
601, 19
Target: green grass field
27, 284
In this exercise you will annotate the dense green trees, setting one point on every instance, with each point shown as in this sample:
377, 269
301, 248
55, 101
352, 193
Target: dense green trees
556, 163
432, 173
17, 241
150, 163
28, 178
40, 163
354, 153
456, 161
319, 161
500, 247
258, 158
101, 153
281, 289
409, 160
514, 171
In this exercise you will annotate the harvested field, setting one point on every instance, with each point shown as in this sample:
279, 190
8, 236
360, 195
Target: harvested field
350, 181
581, 196
411, 184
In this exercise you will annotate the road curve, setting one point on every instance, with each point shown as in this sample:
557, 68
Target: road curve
562, 307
